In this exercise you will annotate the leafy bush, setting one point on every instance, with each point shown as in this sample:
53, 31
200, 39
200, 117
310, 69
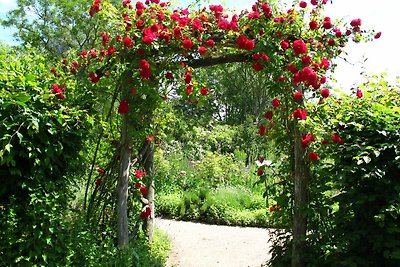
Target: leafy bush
225, 205
354, 211
41, 138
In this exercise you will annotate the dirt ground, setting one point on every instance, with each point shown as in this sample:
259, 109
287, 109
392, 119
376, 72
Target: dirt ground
202, 245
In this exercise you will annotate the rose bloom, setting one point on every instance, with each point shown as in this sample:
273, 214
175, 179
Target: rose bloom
204, 91
313, 156
123, 107
202, 50
260, 172
99, 182
303, 4
276, 103
189, 90
210, 43
298, 96
128, 41
249, 45
306, 60
299, 47
300, 114
336, 138
327, 23
359, 93
284, 45
325, 92
169, 75
143, 190
313, 25
262, 131
378, 35
257, 66
187, 44
307, 139
268, 115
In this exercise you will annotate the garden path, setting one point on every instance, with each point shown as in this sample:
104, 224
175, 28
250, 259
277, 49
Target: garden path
203, 245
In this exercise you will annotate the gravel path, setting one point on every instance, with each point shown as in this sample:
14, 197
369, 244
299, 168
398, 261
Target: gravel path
202, 245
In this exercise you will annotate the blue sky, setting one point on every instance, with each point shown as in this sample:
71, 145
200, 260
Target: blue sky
378, 56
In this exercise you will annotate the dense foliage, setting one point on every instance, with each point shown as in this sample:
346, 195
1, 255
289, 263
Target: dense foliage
354, 201
42, 159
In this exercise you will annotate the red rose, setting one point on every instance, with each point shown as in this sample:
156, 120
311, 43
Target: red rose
249, 45
327, 23
187, 44
111, 50
307, 139
57, 91
128, 41
143, 190
306, 60
139, 173
284, 45
189, 90
298, 96
300, 114
262, 131
100, 170
149, 139
202, 50
313, 156
123, 107
210, 43
359, 93
336, 138
204, 91
188, 78
276, 103
331, 42
313, 25
268, 115
299, 47
314, 2
274, 208
325, 92
145, 213
260, 172
169, 75
378, 35
303, 4
257, 66
355, 23
325, 64
98, 182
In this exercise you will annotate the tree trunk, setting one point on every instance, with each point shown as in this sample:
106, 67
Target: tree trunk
300, 201
123, 179
148, 161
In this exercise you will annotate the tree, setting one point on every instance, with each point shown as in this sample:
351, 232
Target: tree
54, 27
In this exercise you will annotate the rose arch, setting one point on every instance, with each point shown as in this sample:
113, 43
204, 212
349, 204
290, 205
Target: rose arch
146, 55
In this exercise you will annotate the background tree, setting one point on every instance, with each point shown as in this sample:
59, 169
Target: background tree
54, 27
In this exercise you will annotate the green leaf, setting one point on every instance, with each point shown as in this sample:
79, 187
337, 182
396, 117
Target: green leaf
20, 137
8, 148
367, 159
22, 98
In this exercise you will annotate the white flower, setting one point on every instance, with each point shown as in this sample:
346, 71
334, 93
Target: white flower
263, 163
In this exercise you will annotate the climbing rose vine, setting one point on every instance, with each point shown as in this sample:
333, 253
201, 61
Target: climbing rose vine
149, 50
